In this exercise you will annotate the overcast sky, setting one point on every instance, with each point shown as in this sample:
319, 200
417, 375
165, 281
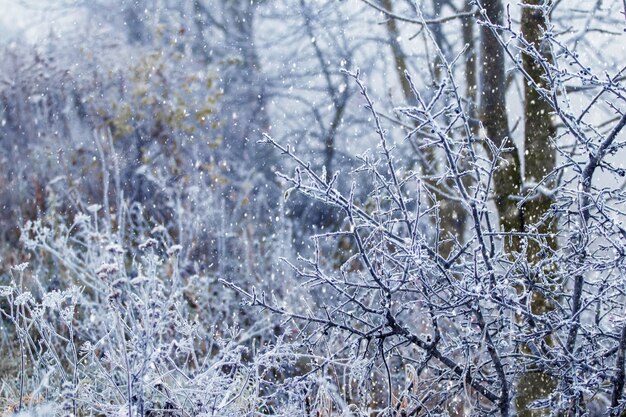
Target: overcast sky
30, 22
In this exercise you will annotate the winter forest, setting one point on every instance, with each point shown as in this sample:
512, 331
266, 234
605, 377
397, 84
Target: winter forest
313, 208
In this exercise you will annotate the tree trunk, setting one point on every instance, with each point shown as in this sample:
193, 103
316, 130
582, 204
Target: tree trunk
538, 130
245, 93
541, 159
493, 115
452, 214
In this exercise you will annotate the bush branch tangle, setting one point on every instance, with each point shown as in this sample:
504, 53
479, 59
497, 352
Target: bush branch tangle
465, 323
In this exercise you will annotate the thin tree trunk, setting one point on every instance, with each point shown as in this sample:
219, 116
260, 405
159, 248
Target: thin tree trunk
538, 131
453, 216
493, 115
507, 178
541, 159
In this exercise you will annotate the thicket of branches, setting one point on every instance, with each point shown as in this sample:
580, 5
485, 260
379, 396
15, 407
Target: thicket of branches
209, 211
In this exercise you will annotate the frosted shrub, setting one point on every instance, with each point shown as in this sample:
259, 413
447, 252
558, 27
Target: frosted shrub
406, 327
103, 329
